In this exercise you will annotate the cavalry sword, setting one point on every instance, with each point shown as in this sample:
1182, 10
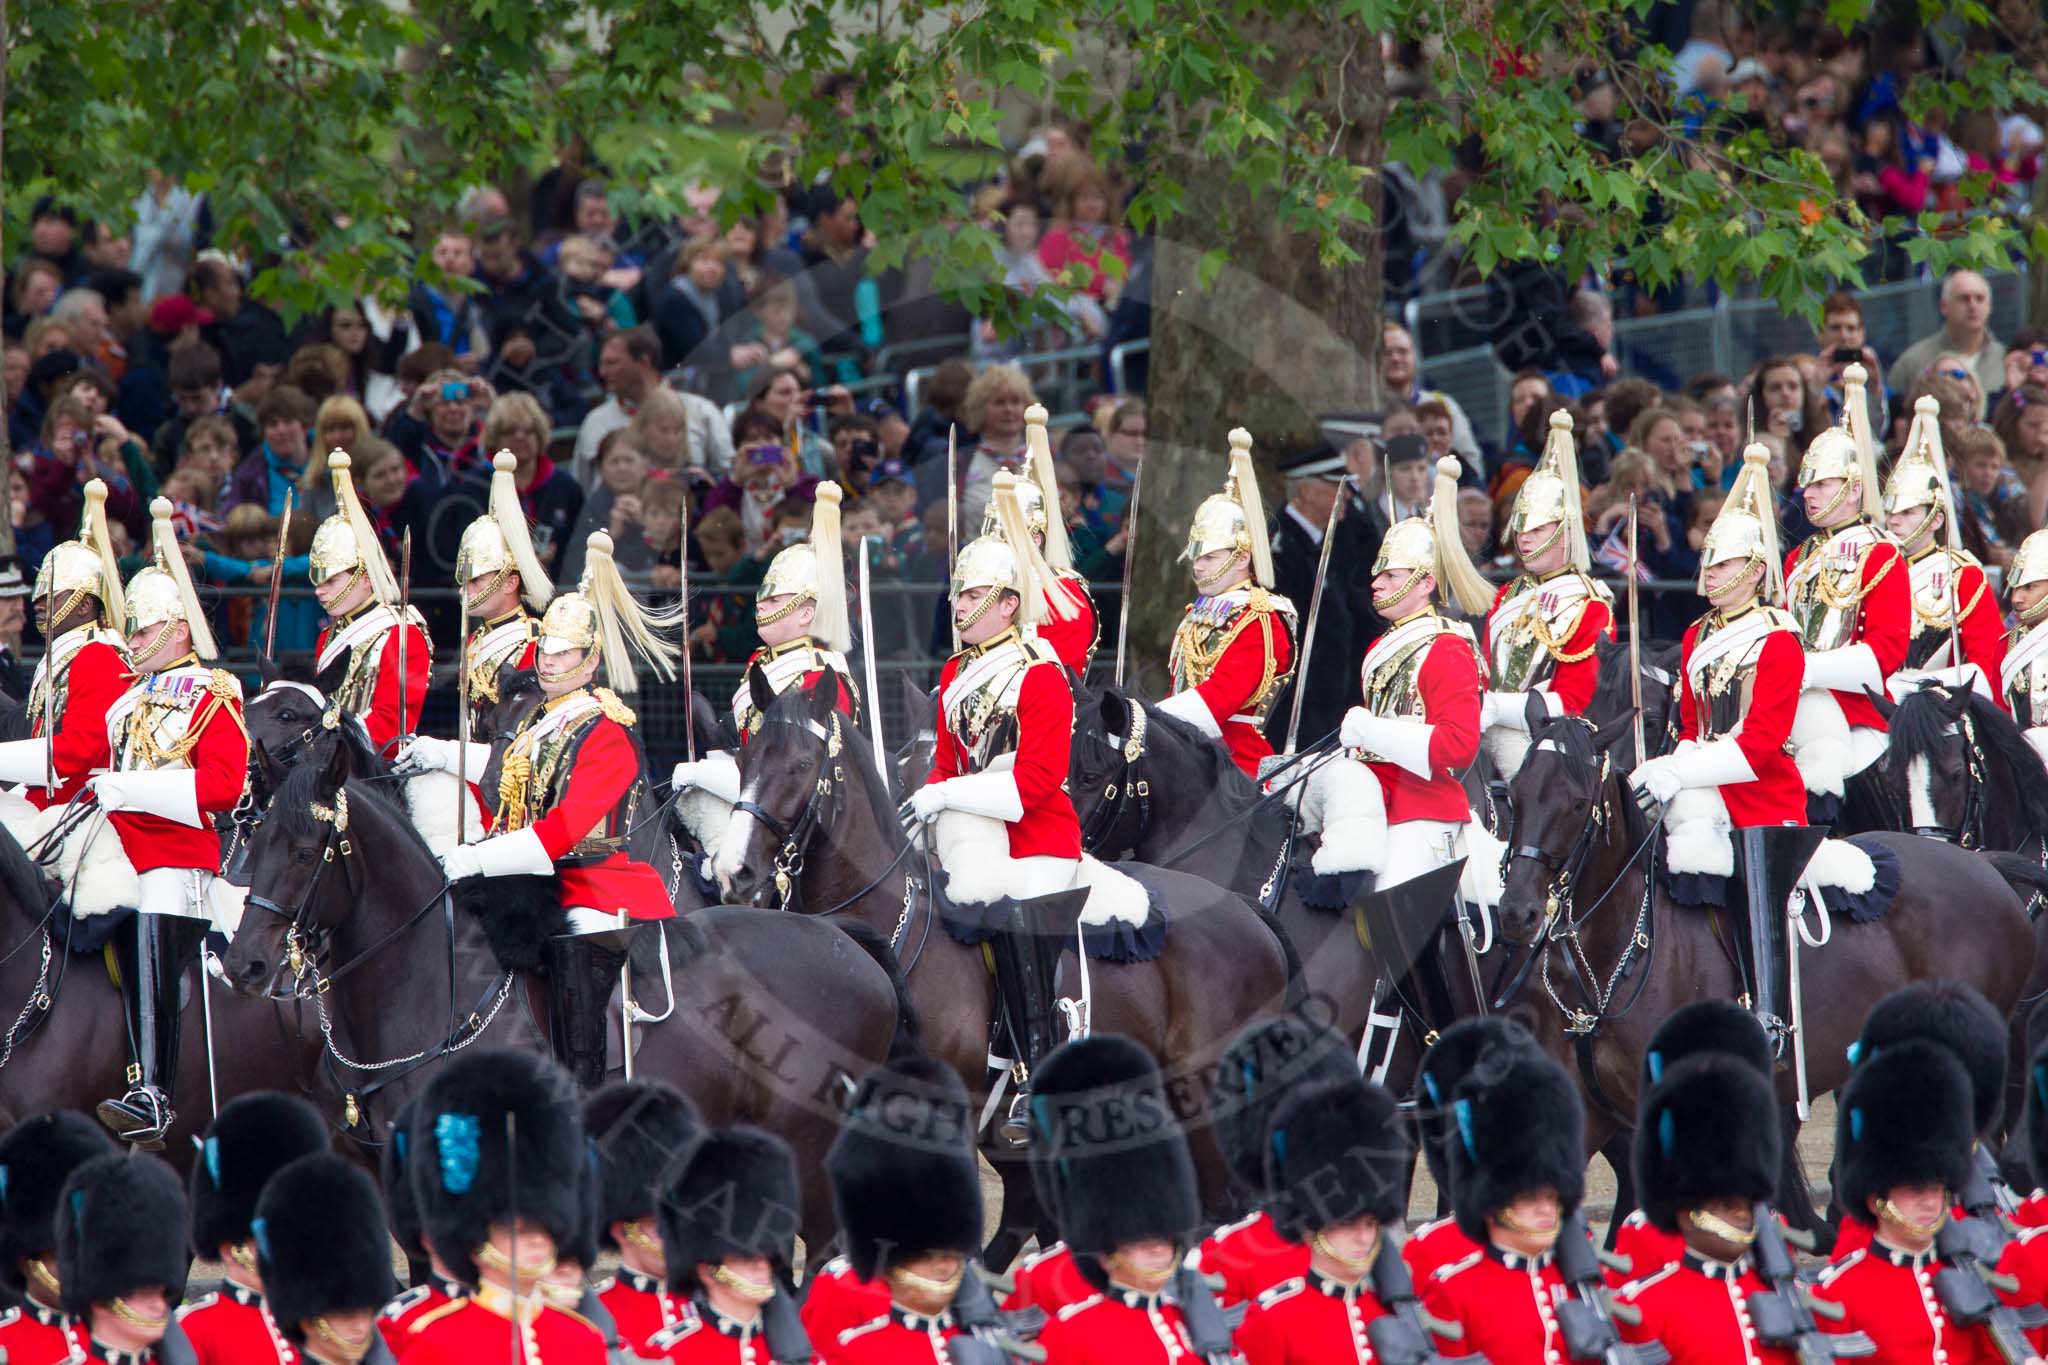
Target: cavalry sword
1315, 611
952, 520
284, 527
689, 683
404, 612
867, 652
1635, 633
462, 728
1130, 529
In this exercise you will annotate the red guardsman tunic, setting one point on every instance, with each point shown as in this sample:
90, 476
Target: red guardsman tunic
34, 1333
357, 667
640, 1307
1699, 1310
1948, 587
897, 1337
1754, 658
1646, 1247
981, 690
703, 1336
575, 773
1889, 1294
1073, 641
1251, 1257
1506, 1303
87, 671
1849, 587
1541, 636
799, 663
1047, 1280
1433, 1245
187, 716
1309, 1320
836, 1299
398, 1316
464, 1332
1121, 1327
231, 1328
1427, 670
1232, 653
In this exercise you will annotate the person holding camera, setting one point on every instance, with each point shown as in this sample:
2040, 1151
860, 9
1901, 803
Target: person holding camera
444, 442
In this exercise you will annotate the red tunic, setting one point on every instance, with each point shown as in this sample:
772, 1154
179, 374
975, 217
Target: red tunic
836, 1299
231, 1328
2033, 1211
1251, 1257
1778, 795
1047, 1280
1981, 629
1571, 683
1699, 1310
607, 764
97, 678
33, 1335
382, 718
1884, 619
774, 665
897, 1337
2026, 1260
415, 1303
1447, 683
1045, 739
1262, 652
704, 1337
1072, 640
1646, 1248
640, 1307
1434, 1245
1122, 1327
1506, 1304
1309, 1320
465, 1332
1890, 1295
221, 759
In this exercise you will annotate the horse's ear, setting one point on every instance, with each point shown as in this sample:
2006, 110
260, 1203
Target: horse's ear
1535, 711
335, 773
1958, 702
1606, 735
267, 670
916, 701
825, 696
757, 688
1884, 704
271, 771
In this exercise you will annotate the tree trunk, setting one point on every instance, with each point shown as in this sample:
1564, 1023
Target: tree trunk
1275, 340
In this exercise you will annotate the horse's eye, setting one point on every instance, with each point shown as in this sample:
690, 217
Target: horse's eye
302, 856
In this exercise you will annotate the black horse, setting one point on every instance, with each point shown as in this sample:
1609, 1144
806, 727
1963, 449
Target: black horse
772, 1014
1613, 954
822, 819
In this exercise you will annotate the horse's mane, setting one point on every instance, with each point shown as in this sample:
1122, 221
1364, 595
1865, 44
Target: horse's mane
1613, 689
21, 878
292, 807
1218, 772
1572, 739
1919, 729
858, 755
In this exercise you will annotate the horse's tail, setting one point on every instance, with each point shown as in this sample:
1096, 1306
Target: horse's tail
2024, 876
908, 1040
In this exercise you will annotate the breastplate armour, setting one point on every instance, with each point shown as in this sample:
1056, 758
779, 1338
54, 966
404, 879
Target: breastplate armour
1825, 591
1533, 624
981, 701
491, 647
783, 667
1213, 624
1937, 610
50, 689
540, 762
156, 723
1725, 684
2026, 685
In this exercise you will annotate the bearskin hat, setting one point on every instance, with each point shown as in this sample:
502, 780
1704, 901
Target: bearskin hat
1267, 1060
1116, 1060
36, 1156
1121, 1167
393, 1173
1336, 1151
321, 1242
120, 1227
1515, 1127
639, 1128
734, 1193
1957, 1017
585, 1236
1904, 1119
1710, 1025
904, 1179
497, 1133
1475, 1041
252, 1138
1708, 1130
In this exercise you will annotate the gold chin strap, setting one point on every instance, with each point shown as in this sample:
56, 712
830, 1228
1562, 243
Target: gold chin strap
1850, 488
354, 578
1145, 1281
1740, 588
336, 1346
141, 1322
983, 607
1505, 1219
242, 1256
943, 1289
45, 1278
1382, 601
1224, 571
561, 1295
140, 662
490, 589
761, 1293
796, 600
637, 1235
2029, 615
1359, 1264
1556, 534
1889, 1211
59, 611
1715, 1226
488, 1257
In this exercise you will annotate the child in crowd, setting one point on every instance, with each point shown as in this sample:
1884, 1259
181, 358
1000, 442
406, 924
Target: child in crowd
603, 309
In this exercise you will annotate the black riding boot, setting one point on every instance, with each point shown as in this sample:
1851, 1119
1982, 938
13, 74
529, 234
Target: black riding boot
1027, 963
153, 954
1773, 860
583, 971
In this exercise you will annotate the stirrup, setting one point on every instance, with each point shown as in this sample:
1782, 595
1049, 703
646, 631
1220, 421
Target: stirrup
142, 1116
1015, 1129
1779, 1033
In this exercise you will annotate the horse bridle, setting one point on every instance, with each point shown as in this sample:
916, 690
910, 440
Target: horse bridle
1122, 794
1968, 831
793, 837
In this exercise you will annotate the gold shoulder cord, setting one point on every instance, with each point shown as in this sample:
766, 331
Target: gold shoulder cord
1843, 599
1538, 628
142, 731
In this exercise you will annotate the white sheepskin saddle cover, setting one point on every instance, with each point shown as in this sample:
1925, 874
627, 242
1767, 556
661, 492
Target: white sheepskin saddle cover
1344, 805
89, 860
1507, 747
707, 816
1698, 838
430, 799
1827, 749
975, 851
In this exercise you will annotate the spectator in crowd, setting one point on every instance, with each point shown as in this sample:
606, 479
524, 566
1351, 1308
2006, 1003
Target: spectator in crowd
195, 378
550, 495
763, 477
782, 396
2021, 422
2026, 361
278, 464
1843, 340
1965, 330
1297, 534
1400, 376
368, 357
1475, 530
664, 507
1994, 502
1409, 473
835, 256
533, 332
64, 461
1020, 221
1124, 434
447, 311
994, 409
1084, 234
1965, 400
36, 285
442, 445
726, 630
167, 229
690, 311
629, 366
396, 499
1957, 394
660, 431
249, 335
211, 454
586, 266
1787, 405
767, 337
113, 444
